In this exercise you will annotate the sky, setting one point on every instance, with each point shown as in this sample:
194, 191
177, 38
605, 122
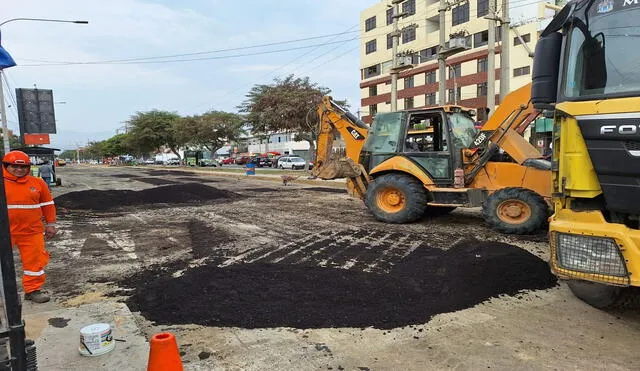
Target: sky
94, 100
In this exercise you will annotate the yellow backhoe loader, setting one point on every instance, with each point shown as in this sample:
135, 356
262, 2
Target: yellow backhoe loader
433, 160
586, 76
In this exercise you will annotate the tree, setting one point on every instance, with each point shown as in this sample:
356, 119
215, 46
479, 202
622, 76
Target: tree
287, 105
14, 142
211, 130
154, 129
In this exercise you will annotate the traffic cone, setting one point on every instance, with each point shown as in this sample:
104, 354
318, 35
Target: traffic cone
164, 355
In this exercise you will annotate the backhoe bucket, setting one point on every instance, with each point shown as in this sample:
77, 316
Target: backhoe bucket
337, 168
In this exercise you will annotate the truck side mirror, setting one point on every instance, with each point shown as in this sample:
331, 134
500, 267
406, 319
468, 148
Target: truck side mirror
546, 67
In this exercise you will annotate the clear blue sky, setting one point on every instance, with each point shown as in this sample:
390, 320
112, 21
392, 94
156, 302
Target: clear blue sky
99, 97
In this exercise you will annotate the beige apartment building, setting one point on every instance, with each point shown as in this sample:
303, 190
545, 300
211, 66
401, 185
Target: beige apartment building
466, 71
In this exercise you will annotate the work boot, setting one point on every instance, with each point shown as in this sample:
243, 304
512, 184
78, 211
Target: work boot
37, 297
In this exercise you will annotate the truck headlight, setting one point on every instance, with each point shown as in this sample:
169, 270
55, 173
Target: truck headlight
589, 254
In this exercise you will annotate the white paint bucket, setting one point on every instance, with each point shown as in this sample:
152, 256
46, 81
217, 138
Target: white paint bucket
96, 340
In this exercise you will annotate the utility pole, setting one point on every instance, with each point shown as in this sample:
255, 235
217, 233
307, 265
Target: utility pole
5, 129
505, 69
491, 57
395, 38
442, 73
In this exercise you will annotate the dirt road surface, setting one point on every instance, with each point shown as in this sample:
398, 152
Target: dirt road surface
251, 274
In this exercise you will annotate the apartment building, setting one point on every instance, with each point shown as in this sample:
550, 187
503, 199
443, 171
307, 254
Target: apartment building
466, 71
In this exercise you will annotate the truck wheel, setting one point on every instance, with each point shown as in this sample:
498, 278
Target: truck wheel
515, 211
396, 198
603, 296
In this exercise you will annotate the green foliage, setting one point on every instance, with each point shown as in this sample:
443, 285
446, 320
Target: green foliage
287, 105
211, 130
70, 154
151, 130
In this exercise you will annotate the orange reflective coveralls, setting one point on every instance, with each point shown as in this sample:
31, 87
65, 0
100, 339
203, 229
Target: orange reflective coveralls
30, 204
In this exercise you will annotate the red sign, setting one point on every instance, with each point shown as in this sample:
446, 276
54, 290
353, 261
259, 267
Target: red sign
36, 139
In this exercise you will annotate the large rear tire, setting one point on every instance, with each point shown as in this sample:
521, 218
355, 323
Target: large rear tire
515, 211
396, 198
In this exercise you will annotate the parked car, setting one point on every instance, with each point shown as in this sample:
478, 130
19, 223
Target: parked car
261, 161
208, 163
293, 163
242, 160
227, 161
172, 161
149, 162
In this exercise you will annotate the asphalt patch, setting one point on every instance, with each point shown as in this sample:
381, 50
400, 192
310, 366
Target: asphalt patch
199, 180
261, 190
327, 190
59, 322
131, 176
155, 181
427, 282
206, 238
103, 200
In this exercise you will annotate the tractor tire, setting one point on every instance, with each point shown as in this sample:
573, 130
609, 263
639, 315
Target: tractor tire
396, 198
515, 211
603, 296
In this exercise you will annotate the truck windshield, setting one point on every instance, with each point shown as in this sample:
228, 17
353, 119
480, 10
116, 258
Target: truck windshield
602, 59
462, 129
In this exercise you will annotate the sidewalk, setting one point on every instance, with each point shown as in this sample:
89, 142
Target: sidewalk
302, 177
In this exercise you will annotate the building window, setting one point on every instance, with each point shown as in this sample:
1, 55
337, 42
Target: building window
389, 41
483, 8
460, 14
480, 39
409, 8
455, 70
430, 77
428, 54
430, 99
526, 38
373, 109
408, 34
371, 71
482, 65
370, 24
408, 103
370, 47
482, 90
389, 16
521, 71
408, 82
454, 95
373, 90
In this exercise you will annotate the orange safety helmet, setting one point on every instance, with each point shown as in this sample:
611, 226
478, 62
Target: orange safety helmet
16, 158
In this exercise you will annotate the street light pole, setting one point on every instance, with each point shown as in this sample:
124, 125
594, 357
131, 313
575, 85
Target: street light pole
3, 115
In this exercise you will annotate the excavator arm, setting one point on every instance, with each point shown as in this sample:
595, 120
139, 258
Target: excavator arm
341, 164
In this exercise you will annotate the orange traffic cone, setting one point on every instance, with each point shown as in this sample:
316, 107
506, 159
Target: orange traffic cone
164, 355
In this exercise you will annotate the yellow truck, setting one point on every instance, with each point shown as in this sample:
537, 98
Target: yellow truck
586, 76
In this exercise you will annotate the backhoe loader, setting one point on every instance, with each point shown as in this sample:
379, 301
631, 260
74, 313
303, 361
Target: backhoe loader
433, 160
586, 77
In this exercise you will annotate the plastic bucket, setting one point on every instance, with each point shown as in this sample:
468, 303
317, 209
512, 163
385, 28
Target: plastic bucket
96, 340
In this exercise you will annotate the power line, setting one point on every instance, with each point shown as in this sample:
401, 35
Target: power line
195, 53
188, 59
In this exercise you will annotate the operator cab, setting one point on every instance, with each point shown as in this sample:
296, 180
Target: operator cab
432, 139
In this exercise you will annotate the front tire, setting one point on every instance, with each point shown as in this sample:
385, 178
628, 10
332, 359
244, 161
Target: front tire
515, 211
396, 198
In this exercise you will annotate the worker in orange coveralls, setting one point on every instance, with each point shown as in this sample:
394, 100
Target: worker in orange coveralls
32, 215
